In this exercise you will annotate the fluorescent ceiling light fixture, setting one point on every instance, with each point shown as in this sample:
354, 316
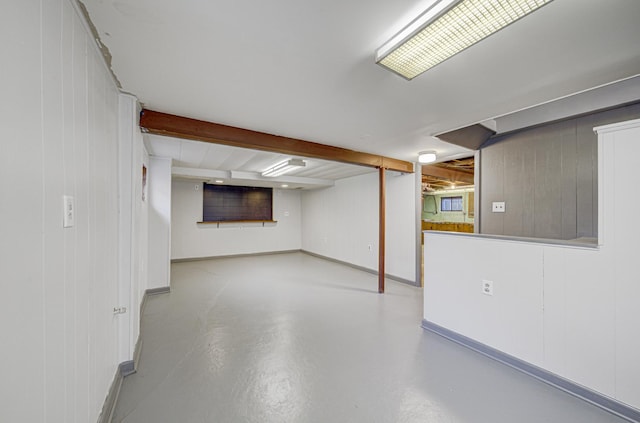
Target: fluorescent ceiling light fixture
284, 167
447, 28
427, 157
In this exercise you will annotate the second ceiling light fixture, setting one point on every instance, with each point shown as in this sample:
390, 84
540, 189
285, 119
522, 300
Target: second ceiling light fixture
447, 28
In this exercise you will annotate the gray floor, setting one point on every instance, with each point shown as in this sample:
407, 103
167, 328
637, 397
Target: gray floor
293, 338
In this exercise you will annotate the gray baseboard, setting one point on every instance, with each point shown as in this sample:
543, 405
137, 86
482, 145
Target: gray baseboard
606, 403
364, 269
126, 368
147, 294
112, 396
387, 275
266, 253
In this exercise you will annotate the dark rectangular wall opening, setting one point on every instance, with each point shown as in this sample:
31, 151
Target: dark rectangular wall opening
223, 203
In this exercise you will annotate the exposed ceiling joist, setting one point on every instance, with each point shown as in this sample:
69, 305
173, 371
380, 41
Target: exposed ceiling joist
448, 174
181, 127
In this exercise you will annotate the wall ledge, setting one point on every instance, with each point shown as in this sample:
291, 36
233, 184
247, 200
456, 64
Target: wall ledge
580, 243
602, 401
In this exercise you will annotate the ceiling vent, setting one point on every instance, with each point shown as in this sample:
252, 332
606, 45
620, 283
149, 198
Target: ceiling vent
471, 137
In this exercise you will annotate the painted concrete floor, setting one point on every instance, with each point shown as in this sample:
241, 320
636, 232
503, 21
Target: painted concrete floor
294, 338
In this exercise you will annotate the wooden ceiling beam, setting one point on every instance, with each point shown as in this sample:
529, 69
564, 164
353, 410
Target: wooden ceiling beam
448, 174
186, 128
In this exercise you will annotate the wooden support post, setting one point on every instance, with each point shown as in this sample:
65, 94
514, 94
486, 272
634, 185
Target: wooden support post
381, 231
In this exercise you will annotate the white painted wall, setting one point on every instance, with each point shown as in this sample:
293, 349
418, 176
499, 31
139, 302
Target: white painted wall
403, 225
141, 245
571, 311
159, 227
133, 260
341, 222
190, 240
59, 119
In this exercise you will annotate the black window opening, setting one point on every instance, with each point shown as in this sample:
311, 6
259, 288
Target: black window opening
451, 203
222, 203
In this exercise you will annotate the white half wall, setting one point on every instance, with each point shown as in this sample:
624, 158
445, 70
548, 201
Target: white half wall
341, 222
159, 189
571, 311
192, 240
59, 118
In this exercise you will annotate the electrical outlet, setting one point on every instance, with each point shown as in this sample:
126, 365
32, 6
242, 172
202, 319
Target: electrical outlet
498, 207
487, 287
69, 211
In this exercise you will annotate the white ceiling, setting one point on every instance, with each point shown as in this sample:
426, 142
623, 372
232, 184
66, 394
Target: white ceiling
306, 69
203, 161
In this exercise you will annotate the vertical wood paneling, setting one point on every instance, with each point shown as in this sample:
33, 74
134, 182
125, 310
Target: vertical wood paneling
53, 265
627, 288
21, 208
568, 182
547, 197
547, 177
492, 184
528, 152
59, 123
587, 178
513, 171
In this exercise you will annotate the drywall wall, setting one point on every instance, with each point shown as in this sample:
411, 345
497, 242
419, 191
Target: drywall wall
59, 113
571, 311
342, 223
159, 253
402, 224
547, 178
192, 240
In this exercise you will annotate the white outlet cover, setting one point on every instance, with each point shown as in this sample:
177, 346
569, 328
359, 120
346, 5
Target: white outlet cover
69, 211
498, 207
487, 287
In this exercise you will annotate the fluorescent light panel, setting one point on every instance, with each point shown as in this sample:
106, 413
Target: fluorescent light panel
284, 167
440, 33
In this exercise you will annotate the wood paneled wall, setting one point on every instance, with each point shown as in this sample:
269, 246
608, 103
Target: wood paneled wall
547, 176
59, 114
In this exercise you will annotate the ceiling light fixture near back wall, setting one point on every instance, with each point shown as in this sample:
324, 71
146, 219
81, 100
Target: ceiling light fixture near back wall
284, 167
447, 28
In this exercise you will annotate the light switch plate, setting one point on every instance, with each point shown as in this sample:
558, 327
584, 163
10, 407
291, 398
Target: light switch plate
69, 211
498, 207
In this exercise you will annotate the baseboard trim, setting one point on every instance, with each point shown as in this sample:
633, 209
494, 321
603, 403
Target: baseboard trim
149, 292
606, 403
364, 269
154, 291
106, 415
265, 253
137, 350
128, 367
